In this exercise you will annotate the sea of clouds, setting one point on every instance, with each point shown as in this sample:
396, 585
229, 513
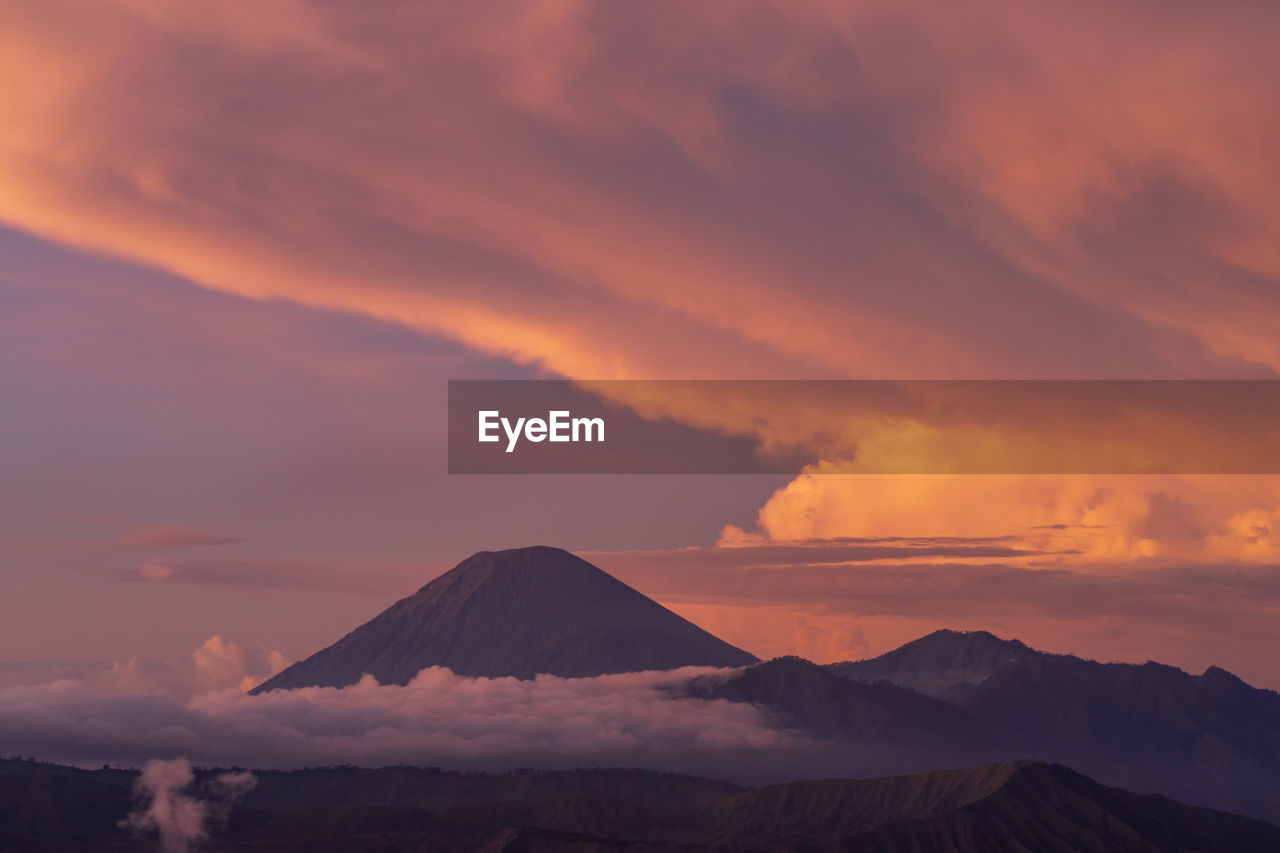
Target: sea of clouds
439, 718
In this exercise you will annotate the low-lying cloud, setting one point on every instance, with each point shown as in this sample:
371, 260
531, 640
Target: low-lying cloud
439, 718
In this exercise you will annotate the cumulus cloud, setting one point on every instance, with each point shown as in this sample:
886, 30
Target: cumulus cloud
166, 808
219, 664
1090, 517
439, 718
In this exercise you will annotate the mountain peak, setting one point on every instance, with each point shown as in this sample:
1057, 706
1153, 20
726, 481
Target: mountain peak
529, 557
509, 571
517, 612
968, 640
540, 561
939, 663
1217, 678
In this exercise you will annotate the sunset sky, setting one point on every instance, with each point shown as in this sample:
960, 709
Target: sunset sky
243, 247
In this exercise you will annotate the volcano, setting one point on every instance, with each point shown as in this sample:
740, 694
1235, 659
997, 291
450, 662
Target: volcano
945, 664
517, 613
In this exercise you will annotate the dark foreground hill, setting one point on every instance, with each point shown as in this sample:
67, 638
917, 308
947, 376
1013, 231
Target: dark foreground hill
1022, 806
519, 612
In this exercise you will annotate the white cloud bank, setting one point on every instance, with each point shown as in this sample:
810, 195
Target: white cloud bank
439, 718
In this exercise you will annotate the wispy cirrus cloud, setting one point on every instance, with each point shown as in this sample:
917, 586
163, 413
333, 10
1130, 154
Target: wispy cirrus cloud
340, 576
390, 576
133, 538
163, 536
769, 192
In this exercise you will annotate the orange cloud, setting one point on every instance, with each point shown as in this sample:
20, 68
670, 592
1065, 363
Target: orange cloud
1105, 518
974, 427
783, 189
164, 536
769, 632
521, 176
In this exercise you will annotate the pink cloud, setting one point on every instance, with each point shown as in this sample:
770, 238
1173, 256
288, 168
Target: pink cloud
766, 190
437, 719
161, 536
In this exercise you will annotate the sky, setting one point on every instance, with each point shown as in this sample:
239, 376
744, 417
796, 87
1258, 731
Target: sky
241, 253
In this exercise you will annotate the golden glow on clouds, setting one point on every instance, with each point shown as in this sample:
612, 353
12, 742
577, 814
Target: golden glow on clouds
310, 153
1103, 518
1000, 189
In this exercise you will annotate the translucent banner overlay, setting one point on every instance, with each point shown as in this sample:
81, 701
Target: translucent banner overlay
864, 426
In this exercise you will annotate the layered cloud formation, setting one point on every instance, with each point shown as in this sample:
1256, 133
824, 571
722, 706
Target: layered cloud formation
439, 718
766, 189
1080, 518
774, 189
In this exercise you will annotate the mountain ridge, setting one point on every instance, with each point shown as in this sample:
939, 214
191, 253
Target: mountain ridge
1007, 807
1208, 739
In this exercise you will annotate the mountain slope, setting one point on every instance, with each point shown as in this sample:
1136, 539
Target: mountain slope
1209, 739
1049, 807
806, 696
943, 664
519, 612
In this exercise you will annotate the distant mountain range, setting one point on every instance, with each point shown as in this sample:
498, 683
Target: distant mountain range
1001, 808
1206, 739
1209, 739
948, 699
519, 612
